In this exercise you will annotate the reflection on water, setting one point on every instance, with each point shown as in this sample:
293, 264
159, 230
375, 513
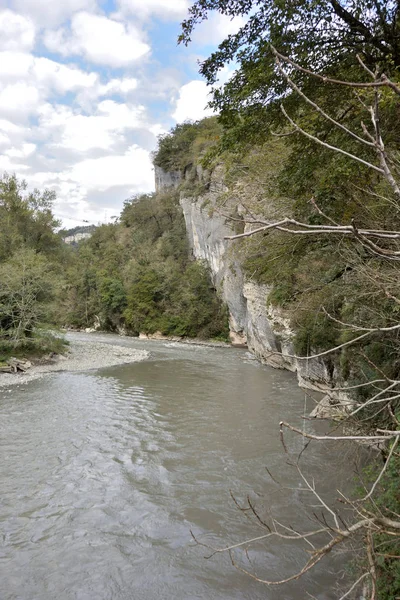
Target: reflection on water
103, 474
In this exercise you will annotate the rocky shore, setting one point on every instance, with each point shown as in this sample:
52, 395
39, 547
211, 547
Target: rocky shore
80, 356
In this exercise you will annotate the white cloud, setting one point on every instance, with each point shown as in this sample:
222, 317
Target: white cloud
27, 82
18, 101
23, 152
216, 29
7, 164
10, 127
80, 133
43, 73
192, 102
134, 168
61, 78
175, 9
99, 39
14, 65
17, 32
51, 77
94, 189
158, 129
47, 13
124, 87
119, 86
4, 139
12, 158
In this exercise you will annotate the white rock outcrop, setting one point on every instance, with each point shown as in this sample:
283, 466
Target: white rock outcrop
265, 329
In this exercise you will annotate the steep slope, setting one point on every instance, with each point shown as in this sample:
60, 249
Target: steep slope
265, 329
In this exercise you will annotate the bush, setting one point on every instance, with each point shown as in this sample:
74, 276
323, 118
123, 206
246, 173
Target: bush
42, 342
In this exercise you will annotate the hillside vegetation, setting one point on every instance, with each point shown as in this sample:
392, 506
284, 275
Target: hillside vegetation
138, 275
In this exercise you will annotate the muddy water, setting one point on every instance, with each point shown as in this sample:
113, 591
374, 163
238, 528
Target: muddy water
104, 473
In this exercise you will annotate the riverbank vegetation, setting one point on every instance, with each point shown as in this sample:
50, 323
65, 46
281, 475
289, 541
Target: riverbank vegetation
135, 275
31, 263
319, 83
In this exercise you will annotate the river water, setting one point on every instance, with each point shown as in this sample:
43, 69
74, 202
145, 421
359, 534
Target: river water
104, 473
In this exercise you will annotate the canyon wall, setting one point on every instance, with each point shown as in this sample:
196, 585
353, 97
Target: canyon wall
254, 322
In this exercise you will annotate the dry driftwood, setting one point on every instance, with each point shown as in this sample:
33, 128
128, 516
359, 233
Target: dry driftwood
15, 365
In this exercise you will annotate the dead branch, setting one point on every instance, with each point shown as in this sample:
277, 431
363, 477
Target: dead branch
385, 466
384, 81
355, 584
319, 110
387, 435
344, 345
329, 146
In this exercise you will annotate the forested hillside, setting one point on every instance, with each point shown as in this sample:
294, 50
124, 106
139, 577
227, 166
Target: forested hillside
138, 276
135, 276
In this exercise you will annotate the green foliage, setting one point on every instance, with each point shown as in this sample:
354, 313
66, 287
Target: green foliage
387, 547
176, 303
26, 219
112, 294
185, 143
41, 343
27, 288
30, 256
138, 274
321, 36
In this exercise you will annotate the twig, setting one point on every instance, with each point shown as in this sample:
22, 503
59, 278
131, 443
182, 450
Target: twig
388, 434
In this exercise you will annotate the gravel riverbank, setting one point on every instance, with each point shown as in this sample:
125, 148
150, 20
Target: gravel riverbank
81, 356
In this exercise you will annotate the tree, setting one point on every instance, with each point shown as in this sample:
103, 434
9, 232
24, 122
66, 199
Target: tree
31, 254
27, 288
26, 219
298, 75
321, 36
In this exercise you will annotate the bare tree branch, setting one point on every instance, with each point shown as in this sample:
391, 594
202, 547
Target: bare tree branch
329, 146
319, 109
383, 82
388, 435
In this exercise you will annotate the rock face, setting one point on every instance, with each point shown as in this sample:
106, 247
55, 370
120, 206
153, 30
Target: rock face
206, 237
166, 180
253, 321
76, 238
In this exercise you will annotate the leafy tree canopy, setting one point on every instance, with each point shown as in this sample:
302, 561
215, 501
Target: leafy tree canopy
185, 143
26, 218
31, 263
322, 36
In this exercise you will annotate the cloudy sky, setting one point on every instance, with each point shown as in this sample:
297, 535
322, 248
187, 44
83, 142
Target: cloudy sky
85, 88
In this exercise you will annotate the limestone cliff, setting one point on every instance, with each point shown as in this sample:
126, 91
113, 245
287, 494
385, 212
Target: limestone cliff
254, 322
166, 179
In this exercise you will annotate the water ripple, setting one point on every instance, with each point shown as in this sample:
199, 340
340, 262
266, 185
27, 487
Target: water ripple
104, 474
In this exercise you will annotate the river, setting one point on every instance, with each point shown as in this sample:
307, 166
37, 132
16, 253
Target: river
104, 473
